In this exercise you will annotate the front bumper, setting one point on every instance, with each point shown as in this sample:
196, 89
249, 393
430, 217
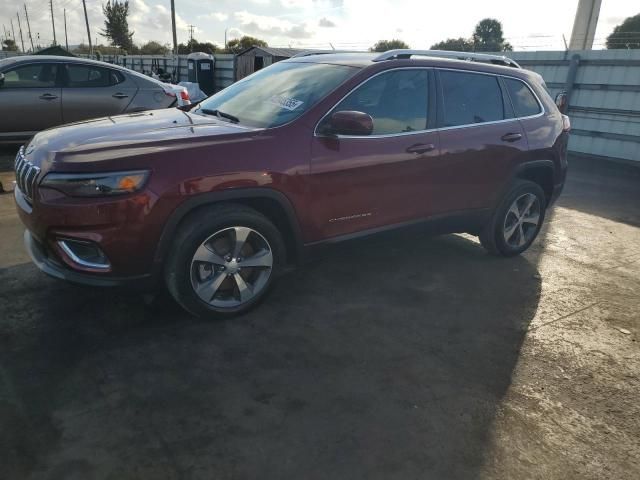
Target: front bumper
52, 267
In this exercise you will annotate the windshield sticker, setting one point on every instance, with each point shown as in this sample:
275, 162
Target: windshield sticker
284, 102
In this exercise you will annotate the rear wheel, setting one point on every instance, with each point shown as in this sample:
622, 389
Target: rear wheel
224, 260
516, 222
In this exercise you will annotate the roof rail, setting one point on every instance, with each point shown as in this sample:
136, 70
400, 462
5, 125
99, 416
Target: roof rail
468, 56
308, 53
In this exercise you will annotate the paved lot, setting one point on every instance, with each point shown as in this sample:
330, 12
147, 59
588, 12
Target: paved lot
396, 357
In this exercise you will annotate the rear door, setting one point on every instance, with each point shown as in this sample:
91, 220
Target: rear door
92, 91
480, 141
30, 99
382, 179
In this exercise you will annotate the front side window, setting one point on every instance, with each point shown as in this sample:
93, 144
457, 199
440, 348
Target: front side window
39, 75
470, 98
88, 76
277, 94
397, 101
524, 102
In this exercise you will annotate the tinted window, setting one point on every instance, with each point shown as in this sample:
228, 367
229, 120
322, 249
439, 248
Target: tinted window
88, 76
40, 75
277, 94
396, 100
471, 98
524, 102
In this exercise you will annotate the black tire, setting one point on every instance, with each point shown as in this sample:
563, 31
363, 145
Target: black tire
195, 230
492, 236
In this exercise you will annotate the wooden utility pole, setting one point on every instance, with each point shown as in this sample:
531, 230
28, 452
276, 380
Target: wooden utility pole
20, 30
66, 40
13, 31
53, 23
86, 19
28, 27
173, 27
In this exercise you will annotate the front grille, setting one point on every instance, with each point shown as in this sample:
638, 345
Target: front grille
26, 174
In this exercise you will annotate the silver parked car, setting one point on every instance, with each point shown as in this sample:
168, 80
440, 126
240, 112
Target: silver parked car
39, 91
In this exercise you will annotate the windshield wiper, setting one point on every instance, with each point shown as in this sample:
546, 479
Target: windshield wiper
219, 114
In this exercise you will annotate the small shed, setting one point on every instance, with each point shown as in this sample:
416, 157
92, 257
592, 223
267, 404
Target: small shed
255, 58
55, 50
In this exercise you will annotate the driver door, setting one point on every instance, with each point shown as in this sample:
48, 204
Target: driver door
365, 182
30, 98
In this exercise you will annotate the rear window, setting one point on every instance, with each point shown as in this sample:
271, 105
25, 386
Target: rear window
523, 99
471, 98
90, 76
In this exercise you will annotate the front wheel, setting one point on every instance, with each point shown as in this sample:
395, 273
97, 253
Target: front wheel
223, 261
516, 222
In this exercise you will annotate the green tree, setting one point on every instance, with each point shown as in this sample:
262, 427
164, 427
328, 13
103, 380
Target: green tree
153, 48
488, 37
9, 45
384, 45
454, 44
196, 46
237, 45
116, 26
626, 35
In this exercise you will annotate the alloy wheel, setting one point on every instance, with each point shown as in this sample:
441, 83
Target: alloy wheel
231, 267
521, 221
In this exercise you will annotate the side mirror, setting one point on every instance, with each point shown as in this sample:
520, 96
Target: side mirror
561, 101
349, 122
1, 80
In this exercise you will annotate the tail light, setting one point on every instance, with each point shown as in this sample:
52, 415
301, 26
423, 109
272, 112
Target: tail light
566, 123
185, 96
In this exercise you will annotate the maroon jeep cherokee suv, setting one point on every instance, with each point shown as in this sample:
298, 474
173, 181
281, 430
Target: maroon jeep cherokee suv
319, 148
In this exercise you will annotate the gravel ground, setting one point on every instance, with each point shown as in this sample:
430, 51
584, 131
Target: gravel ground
394, 357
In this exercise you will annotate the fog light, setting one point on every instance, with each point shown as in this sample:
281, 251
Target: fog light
85, 254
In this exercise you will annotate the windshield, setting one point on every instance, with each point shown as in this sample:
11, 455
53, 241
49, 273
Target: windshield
277, 94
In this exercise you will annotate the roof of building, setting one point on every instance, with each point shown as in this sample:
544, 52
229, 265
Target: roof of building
55, 50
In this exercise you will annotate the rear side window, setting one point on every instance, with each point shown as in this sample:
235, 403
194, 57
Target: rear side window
39, 75
89, 76
523, 99
396, 100
471, 98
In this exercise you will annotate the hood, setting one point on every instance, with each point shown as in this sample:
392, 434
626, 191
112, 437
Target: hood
124, 135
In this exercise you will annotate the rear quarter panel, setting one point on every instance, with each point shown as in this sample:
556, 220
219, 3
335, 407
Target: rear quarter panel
546, 138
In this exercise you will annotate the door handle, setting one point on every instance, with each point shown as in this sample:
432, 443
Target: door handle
511, 137
420, 148
119, 95
48, 96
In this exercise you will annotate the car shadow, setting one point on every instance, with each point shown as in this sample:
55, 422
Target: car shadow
605, 189
385, 357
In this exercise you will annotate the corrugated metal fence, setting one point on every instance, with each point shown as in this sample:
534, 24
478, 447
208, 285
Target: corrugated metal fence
604, 97
223, 70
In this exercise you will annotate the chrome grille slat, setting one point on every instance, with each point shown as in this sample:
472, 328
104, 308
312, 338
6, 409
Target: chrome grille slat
26, 174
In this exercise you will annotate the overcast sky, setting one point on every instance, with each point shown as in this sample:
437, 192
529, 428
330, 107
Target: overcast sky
347, 24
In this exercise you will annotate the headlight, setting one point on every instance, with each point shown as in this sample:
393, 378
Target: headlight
96, 184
